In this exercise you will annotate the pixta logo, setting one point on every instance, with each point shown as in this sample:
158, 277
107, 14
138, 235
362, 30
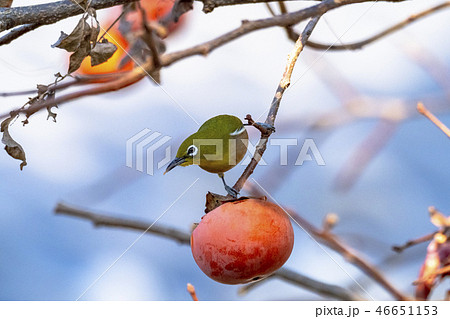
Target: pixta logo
141, 148
147, 151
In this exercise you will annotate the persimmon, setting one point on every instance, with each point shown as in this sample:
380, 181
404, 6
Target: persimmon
113, 63
154, 9
242, 241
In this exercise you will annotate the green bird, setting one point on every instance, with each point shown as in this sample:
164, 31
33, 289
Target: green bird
218, 145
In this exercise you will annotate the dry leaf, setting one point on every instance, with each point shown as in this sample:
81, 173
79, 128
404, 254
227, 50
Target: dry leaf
78, 56
50, 97
102, 52
72, 42
13, 148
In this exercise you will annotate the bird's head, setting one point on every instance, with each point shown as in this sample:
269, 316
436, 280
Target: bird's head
186, 154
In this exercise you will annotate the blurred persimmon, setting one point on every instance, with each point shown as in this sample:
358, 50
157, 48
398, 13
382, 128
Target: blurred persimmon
113, 63
154, 10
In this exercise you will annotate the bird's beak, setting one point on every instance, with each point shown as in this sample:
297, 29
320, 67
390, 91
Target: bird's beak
177, 161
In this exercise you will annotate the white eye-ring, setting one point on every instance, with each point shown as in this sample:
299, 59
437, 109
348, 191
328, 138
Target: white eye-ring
192, 150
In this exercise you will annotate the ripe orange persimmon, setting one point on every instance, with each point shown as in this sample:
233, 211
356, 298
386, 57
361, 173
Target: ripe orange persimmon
112, 65
154, 9
242, 241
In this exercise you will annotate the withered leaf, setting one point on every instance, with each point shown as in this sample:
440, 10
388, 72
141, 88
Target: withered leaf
42, 88
92, 12
94, 33
13, 148
102, 52
51, 114
72, 42
78, 56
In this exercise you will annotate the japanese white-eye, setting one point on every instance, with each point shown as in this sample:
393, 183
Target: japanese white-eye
218, 145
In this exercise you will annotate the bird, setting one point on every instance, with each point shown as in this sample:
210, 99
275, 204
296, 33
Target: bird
219, 144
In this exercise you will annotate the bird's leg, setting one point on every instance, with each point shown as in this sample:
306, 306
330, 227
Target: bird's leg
230, 190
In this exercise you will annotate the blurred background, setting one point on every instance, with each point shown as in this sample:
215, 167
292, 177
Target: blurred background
385, 163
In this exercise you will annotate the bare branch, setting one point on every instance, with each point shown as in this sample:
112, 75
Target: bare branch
202, 49
414, 242
425, 112
191, 291
318, 287
254, 25
117, 83
99, 220
48, 13
270, 120
18, 32
210, 5
333, 242
382, 34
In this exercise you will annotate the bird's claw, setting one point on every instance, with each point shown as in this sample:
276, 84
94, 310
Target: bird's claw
231, 191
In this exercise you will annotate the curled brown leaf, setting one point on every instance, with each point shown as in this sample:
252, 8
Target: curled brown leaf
14, 149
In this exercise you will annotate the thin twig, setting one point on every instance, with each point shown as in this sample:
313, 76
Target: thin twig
210, 5
333, 242
124, 10
425, 112
128, 78
191, 291
413, 242
18, 32
318, 287
396, 27
99, 220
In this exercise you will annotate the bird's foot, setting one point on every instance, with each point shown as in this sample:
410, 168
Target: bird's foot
231, 191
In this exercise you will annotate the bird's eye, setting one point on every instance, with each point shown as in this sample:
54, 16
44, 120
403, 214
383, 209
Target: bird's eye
192, 150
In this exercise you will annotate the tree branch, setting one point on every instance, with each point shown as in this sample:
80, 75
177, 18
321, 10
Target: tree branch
384, 33
318, 287
202, 49
99, 220
48, 13
413, 242
18, 32
210, 5
191, 290
333, 242
270, 120
425, 112
254, 25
